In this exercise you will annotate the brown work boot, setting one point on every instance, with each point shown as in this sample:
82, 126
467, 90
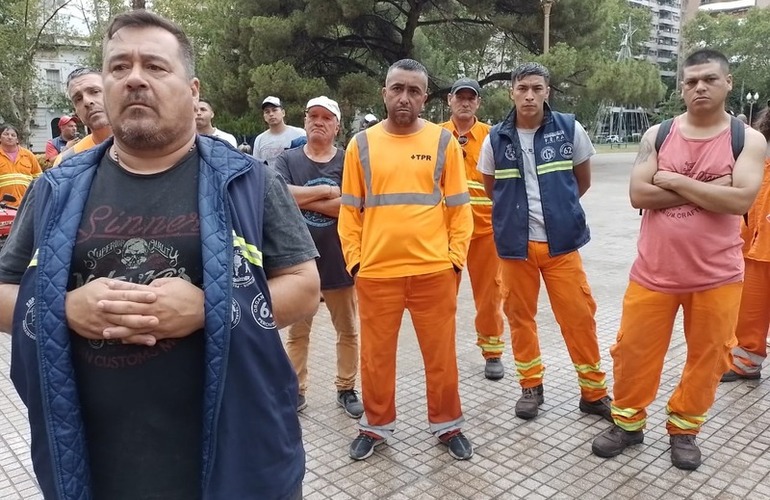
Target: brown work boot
529, 402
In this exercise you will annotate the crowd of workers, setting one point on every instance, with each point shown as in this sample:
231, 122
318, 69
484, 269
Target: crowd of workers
157, 262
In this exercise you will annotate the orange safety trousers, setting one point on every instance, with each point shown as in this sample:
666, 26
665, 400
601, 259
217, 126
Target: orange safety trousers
645, 333
432, 303
483, 266
753, 319
573, 307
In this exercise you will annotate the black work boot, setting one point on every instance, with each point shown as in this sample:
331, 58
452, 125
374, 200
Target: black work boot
685, 454
614, 440
527, 405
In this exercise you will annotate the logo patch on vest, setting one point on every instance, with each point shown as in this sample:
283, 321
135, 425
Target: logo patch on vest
235, 314
510, 154
548, 153
241, 272
28, 323
566, 150
262, 313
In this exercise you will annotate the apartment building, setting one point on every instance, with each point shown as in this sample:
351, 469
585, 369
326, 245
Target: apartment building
662, 45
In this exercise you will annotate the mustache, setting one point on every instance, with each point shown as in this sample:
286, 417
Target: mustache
137, 98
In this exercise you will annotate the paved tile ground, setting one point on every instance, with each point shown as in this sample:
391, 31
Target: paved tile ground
549, 457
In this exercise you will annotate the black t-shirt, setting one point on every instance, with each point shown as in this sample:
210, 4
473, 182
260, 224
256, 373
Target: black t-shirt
299, 170
142, 406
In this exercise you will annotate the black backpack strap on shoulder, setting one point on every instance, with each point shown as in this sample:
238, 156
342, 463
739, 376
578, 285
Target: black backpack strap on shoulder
663, 131
738, 135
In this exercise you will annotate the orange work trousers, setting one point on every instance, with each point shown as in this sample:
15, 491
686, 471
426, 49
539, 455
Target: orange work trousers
573, 307
753, 319
483, 266
645, 333
341, 303
432, 303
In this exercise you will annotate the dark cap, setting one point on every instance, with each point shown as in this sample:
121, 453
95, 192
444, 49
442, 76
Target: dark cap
466, 83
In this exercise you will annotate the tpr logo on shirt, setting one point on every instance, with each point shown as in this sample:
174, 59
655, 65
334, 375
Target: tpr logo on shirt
421, 157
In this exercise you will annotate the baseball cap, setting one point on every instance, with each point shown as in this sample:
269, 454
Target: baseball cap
271, 101
465, 83
370, 118
66, 119
327, 103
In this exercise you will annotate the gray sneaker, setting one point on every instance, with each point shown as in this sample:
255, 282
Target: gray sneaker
349, 401
301, 402
494, 369
527, 405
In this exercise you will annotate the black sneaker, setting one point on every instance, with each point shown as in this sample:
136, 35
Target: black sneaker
363, 446
732, 376
348, 400
301, 402
685, 454
458, 446
527, 405
614, 440
494, 369
601, 407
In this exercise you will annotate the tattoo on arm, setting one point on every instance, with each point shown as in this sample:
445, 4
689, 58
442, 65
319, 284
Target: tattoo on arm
645, 150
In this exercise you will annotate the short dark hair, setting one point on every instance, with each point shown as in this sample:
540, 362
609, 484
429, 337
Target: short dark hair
407, 65
530, 69
704, 56
78, 72
144, 19
207, 102
762, 123
8, 126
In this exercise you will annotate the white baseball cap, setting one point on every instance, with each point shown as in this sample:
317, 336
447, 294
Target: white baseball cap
271, 100
326, 103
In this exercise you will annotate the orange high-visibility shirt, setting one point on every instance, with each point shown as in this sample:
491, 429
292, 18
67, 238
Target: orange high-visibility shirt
756, 235
480, 202
405, 204
84, 144
15, 176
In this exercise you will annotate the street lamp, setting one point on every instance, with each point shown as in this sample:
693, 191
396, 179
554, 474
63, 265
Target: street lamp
752, 100
547, 4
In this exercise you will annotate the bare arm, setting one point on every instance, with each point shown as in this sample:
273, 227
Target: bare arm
489, 185
643, 193
330, 208
304, 195
295, 292
726, 199
8, 295
582, 176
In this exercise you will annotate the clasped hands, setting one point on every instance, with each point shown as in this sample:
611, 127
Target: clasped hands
133, 313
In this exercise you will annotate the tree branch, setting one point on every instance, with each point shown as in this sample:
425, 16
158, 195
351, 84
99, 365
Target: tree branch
33, 48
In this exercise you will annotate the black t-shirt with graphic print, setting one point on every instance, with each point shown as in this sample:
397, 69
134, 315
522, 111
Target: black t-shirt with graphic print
142, 406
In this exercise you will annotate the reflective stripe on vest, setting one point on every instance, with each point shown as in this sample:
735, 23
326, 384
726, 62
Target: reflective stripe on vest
250, 252
15, 179
555, 166
509, 173
379, 200
478, 194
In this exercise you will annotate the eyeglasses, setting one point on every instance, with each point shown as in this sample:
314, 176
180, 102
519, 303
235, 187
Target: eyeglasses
463, 140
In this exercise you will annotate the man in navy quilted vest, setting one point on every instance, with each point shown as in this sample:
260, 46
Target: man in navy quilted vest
147, 279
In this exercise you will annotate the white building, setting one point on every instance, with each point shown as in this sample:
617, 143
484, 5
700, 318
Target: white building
53, 63
663, 43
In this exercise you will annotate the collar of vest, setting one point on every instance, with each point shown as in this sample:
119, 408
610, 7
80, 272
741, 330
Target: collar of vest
509, 124
215, 153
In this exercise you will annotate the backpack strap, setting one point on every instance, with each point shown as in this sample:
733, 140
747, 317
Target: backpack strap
738, 135
663, 131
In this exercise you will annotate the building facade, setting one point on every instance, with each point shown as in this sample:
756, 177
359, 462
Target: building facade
662, 45
732, 7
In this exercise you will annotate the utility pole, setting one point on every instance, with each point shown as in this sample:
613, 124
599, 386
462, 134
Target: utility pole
547, 4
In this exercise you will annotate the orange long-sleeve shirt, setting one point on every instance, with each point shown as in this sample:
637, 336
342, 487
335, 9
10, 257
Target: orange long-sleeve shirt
756, 235
480, 202
402, 214
16, 175
84, 144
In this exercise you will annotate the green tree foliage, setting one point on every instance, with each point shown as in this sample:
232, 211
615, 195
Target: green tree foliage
742, 40
297, 49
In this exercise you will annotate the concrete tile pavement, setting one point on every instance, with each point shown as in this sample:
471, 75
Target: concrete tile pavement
548, 457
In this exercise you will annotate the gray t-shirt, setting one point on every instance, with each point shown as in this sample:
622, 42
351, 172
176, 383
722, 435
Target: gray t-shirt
268, 145
582, 151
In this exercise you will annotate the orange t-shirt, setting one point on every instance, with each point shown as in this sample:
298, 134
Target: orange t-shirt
15, 175
756, 235
480, 202
84, 144
688, 248
399, 216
